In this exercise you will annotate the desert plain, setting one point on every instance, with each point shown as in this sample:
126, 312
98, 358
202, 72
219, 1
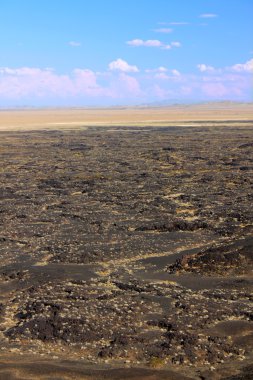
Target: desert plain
126, 245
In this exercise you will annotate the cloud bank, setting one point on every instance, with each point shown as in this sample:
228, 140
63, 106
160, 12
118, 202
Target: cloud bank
124, 83
243, 67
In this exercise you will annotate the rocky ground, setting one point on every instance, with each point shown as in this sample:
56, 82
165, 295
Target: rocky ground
126, 252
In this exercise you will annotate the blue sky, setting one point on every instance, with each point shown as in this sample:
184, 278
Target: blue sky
110, 52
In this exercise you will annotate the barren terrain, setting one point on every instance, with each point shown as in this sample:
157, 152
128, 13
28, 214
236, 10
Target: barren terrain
141, 116
126, 244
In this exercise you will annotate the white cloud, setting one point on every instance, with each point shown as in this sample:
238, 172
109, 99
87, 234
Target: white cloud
160, 93
176, 73
147, 43
160, 69
81, 86
121, 65
163, 30
126, 83
175, 44
166, 47
176, 23
24, 71
153, 43
135, 42
205, 68
40, 86
74, 43
179, 23
219, 87
208, 15
246, 67
162, 76
85, 78
215, 90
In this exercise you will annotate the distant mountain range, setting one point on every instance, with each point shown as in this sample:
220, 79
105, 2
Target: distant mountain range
180, 102
157, 104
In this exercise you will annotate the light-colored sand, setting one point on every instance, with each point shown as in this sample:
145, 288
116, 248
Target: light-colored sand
73, 118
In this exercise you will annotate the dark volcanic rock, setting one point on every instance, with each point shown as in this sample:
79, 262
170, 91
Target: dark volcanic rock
91, 221
235, 257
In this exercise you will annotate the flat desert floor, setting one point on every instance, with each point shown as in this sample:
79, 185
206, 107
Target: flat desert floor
142, 116
126, 245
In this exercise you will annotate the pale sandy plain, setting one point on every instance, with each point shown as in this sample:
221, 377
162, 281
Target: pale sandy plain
82, 117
